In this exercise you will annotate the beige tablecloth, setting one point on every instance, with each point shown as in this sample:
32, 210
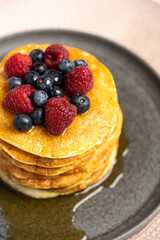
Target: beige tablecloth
134, 24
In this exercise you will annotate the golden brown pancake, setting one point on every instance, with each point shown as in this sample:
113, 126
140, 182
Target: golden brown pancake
42, 170
85, 131
66, 179
73, 177
42, 165
7, 150
50, 193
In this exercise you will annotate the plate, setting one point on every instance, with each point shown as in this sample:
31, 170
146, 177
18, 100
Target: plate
120, 211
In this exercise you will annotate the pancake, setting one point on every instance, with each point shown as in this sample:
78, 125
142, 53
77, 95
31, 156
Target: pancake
31, 159
70, 177
85, 131
41, 165
43, 194
42, 170
36, 164
60, 181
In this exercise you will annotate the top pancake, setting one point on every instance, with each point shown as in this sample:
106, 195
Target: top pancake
86, 130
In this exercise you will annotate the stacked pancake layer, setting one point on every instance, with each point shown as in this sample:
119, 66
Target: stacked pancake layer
41, 165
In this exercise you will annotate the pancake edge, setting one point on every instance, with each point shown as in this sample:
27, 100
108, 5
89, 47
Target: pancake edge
44, 194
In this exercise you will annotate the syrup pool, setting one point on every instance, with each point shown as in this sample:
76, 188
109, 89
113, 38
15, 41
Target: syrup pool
52, 218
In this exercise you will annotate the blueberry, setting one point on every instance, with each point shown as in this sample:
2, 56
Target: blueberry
14, 82
37, 55
44, 83
66, 65
37, 116
82, 102
50, 72
56, 76
39, 67
39, 98
22, 122
31, 78
56, 92
80, 62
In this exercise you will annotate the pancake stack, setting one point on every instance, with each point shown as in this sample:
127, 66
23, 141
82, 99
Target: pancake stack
41, 165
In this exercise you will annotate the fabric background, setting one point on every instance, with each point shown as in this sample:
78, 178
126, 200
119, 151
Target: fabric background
133, 24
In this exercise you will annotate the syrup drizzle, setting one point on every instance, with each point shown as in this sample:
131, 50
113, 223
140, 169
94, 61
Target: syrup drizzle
52, 218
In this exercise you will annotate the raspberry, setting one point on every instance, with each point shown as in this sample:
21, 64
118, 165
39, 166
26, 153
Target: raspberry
79, 80
18, 65
59, 114
18, 99
54, 54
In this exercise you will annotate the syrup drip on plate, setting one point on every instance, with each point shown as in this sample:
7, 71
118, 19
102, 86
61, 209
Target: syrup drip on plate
52, 218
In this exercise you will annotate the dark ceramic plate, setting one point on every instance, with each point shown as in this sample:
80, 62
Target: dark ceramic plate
119, 212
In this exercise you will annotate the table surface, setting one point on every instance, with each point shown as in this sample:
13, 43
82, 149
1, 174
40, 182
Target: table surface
133, 24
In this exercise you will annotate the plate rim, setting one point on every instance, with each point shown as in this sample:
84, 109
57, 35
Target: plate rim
142, 223
67, 31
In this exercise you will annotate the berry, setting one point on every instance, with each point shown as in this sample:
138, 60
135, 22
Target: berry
31, 78
56, 76
56, 92
66, 65
59, 114
54, 54
14, 82
39, 98
79, 80
44, 83
37, 55
18, 65
82, 102
39, 68
22, 122
81, 62
37, 116
18, 100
